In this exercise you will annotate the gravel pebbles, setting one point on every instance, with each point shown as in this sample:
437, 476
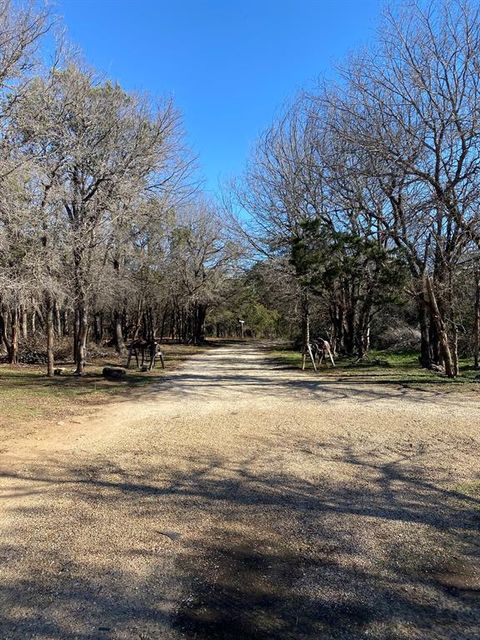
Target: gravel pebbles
237, 499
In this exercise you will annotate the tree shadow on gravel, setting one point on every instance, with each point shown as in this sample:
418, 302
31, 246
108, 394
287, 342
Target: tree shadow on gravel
251, 593
282, 556
221, 373
246, 384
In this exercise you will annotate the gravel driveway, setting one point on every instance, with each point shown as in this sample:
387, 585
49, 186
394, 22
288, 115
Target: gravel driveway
242, 500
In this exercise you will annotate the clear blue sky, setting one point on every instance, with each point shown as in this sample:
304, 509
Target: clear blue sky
229, 64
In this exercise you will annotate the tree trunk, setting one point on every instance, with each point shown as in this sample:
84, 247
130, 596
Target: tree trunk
364, 325
58, 321
350, 319
476, 322
81, 346
307, 349
50, 334
118, 337
164, 319
24, 323
364, 338
441, 331
15, 326
456, 367
199, 314
3, 333
453, 321
434, 340
425, 355
337, 313
76, 332
65, 323
97, 327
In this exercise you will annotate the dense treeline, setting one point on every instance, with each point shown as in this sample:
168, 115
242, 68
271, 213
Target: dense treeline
359, 205
103, 233
365, 194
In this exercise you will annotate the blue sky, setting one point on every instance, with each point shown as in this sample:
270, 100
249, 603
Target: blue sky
230, 65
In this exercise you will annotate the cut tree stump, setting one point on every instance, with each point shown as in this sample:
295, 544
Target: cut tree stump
114, 373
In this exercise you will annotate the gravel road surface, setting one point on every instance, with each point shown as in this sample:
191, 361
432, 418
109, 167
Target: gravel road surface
240, 499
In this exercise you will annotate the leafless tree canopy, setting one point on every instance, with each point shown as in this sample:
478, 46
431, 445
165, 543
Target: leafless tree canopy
103, 234
359, 205
369, 188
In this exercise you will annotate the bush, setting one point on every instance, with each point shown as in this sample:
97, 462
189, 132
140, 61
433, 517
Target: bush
398, 337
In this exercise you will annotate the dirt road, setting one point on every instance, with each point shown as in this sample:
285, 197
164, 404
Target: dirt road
243, 500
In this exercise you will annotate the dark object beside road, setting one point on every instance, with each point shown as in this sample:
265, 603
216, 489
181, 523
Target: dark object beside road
114, 373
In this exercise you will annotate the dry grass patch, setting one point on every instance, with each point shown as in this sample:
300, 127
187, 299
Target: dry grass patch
387, 368
29, 397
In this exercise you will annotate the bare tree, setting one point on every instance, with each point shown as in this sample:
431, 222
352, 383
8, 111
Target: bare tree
98, 146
